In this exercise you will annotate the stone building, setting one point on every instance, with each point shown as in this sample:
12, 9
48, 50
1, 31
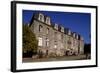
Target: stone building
54, 39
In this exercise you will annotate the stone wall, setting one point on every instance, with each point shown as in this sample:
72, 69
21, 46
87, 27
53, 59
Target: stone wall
54, 39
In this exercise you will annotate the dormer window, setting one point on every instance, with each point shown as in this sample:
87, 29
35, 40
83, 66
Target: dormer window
74, 35
41, 17
62, 37
56, 26
62, 29
48, 20
77, 37
69, 32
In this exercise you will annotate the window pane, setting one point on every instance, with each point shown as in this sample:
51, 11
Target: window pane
40, 17
40, 42
40, 28
55, 46
47, 42
47, 30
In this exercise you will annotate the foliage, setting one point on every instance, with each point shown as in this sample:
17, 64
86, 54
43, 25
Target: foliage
30, 42
87, 48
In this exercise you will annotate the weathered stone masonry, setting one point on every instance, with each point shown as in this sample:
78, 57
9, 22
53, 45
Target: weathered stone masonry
55, 39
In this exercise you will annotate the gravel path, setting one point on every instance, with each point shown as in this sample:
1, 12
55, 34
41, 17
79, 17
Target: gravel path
63, 58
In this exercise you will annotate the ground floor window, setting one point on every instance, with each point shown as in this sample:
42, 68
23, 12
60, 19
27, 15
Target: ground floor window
47, 42
40, 41
55, 46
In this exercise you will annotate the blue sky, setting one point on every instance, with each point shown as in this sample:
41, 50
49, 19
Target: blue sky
76, 22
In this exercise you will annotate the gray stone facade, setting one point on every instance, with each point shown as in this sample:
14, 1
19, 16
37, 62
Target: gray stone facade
55, 39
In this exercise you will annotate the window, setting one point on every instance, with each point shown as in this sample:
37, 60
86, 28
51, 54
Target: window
47, 42
69, 32
47, 20
62, 36
62, 29
41, 17
69, 42
47, 30
55, 34
74, 35
40, 41
40, 28
55, 46
56, 26
59, 36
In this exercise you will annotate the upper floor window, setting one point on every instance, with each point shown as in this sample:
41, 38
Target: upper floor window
62, 36
40, 28
55, 34
69, 42
59, 36
47, 30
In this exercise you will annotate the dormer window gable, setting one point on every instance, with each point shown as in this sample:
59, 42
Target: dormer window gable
48, 21
77, 36
74, 34
56, 26
69, 32
41, 17
62, 29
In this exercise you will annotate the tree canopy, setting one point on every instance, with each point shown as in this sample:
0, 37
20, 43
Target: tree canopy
30, 42
87, 48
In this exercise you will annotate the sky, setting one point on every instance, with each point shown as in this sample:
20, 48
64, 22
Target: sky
76, 22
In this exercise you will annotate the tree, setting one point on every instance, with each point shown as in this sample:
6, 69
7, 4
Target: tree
87, 48
30, 43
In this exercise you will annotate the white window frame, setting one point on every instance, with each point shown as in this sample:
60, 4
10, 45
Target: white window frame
40, 41
47, 42
47, 20
41, 17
